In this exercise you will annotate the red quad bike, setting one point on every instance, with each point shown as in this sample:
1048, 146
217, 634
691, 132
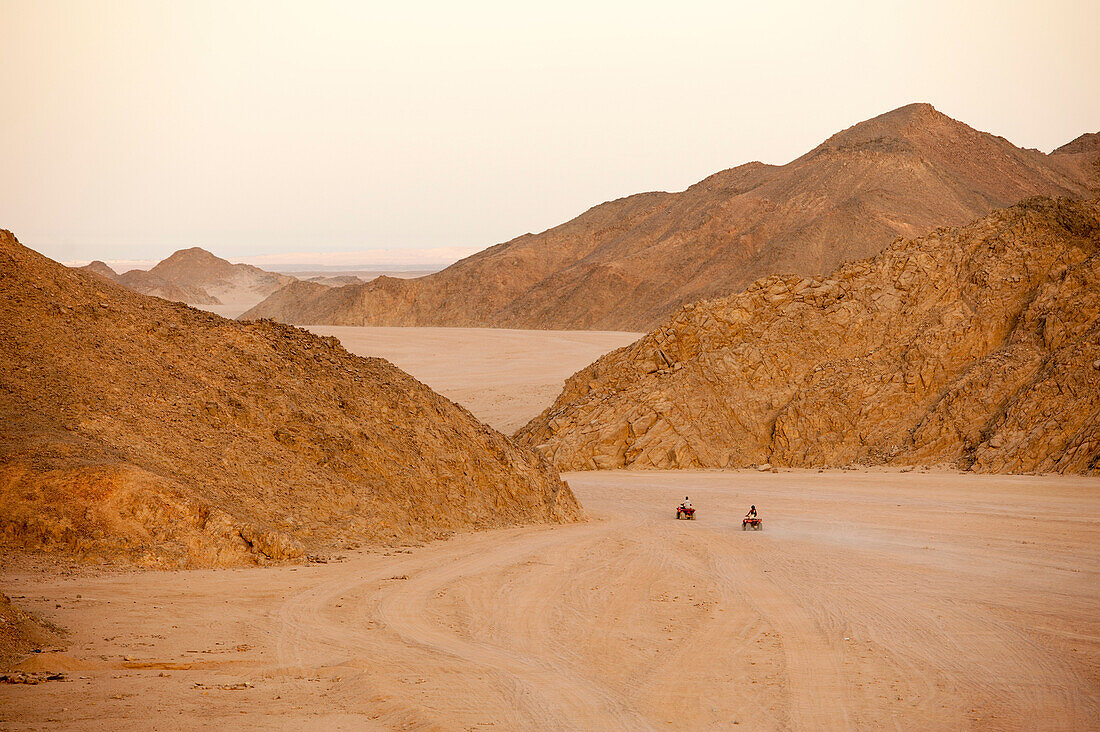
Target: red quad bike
752, 523
685, 513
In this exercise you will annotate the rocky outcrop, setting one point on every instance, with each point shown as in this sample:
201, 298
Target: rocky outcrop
137, 429
628, 264
978, 347
21, 632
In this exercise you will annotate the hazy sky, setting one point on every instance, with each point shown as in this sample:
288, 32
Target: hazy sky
131, 129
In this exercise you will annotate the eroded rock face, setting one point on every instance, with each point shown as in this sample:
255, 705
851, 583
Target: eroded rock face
629, 264
137, 429
977, 346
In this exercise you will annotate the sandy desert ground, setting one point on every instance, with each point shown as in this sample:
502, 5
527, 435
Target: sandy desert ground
230, 309
870, 600
504, 377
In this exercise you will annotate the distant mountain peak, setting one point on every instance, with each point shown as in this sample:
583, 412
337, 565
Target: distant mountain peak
101, 268
903, 124
626, 264
914, 109
194, 254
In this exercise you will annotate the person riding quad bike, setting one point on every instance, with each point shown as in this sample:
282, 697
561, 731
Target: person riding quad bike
751, 521
685, 510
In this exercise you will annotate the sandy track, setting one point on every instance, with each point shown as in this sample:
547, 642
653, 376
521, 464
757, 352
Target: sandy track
871, 600
504, 377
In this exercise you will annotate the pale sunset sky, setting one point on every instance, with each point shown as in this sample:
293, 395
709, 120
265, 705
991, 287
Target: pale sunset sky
422, 131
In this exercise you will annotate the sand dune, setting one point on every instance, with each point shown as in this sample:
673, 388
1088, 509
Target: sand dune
919, 601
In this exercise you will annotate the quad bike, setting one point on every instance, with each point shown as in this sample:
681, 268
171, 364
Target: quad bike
754, 523
683, 512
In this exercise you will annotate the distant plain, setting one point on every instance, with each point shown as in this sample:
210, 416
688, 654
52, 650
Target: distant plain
504, 377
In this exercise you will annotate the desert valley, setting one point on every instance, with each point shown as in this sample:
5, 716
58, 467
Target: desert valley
800, 446
239, 523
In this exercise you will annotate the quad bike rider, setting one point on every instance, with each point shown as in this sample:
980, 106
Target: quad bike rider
751, 520
685, 510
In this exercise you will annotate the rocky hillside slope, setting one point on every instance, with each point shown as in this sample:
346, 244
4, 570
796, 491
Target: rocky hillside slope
627, 264
977, 346
1081, 159
137, 428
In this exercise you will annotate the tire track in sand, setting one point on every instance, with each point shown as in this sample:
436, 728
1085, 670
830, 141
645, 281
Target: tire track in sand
814, 660
545, 688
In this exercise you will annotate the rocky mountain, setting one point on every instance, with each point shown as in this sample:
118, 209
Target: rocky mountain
627, 264
102, 269
975, 346
135, 428
148, 283
237, 286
